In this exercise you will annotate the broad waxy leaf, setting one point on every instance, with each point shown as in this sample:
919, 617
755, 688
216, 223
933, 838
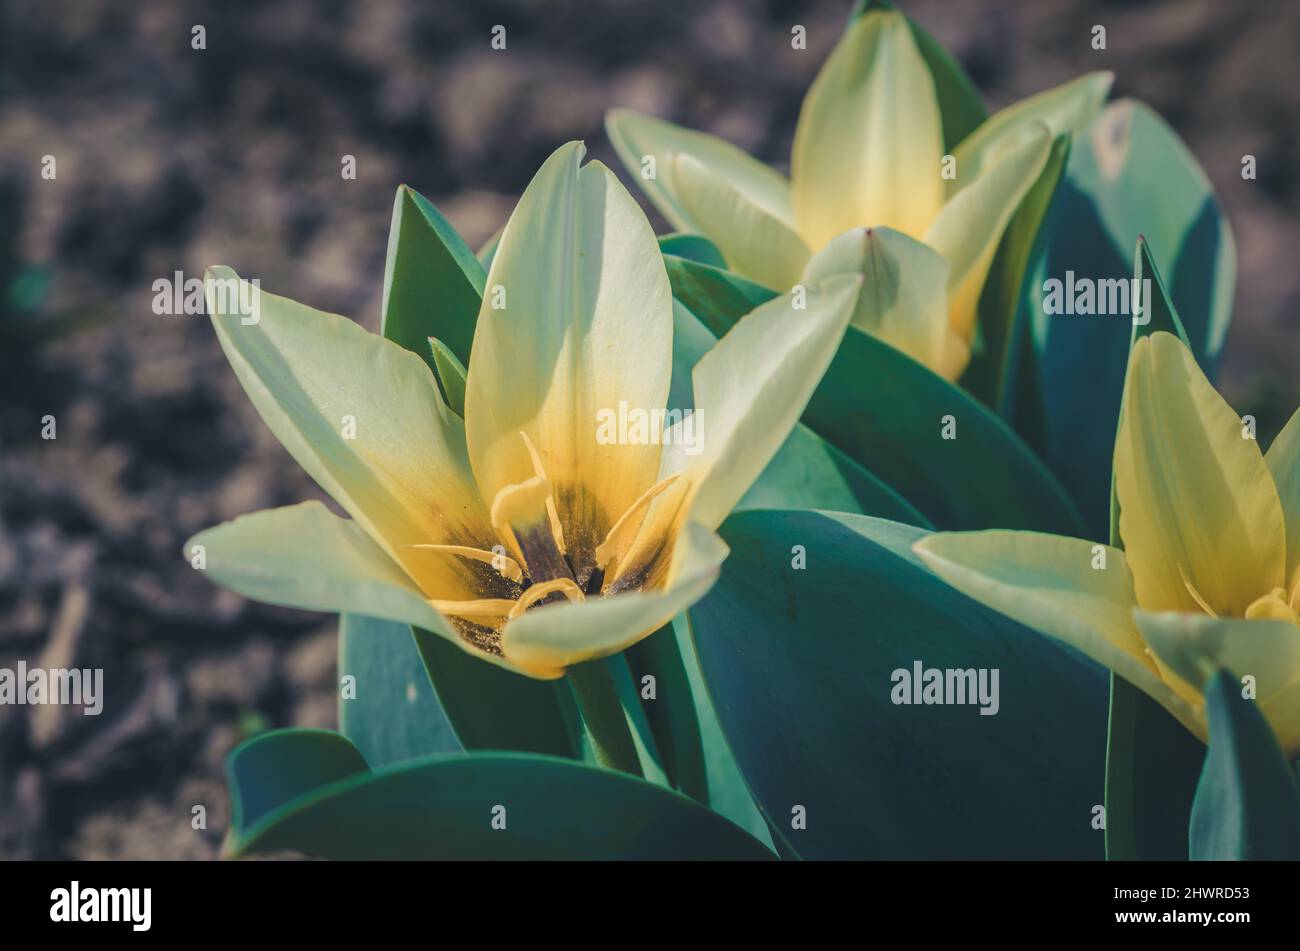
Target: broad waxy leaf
1247, 805
693, 247
451, 375
671, 711
889, 413
728, 794
1127, 175
804, 682
278, 767
467, 806
1151, 769
495, 709
390, 713
433, 284
717, 297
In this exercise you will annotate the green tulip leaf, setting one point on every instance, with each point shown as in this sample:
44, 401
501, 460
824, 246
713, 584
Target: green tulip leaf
495, 709
728, 793
809, 473
644, 737
692, 247
1247, 805
670, 710
717, 297
388, 708
1152, 762
451, 374
467, 806
1128, 175
805, 668
433, 284
277, 767
916, 431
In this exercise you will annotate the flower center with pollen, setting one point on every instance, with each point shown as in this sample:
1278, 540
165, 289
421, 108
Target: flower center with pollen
542, 569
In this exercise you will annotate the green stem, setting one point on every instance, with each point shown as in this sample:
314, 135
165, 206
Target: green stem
593, 687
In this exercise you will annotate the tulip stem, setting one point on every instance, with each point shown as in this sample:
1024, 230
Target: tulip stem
607, 728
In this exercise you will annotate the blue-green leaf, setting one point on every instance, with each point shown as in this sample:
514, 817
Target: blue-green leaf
278, 767
389, 710
803, 665
433, 284
1128, 175
469, 806
1247, 805
692, 247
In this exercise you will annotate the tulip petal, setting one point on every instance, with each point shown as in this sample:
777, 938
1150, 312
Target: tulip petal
1048, 583
755, 242
750, 390
1198, 507
586, 326
903, 300
636, 136
304, 556
560, 635
1193, 646
363, 417
869, 141
968, 228
1283, 460
1067, 108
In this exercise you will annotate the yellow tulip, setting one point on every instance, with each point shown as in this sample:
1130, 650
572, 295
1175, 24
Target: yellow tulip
1210, 571
518, 533
867, 193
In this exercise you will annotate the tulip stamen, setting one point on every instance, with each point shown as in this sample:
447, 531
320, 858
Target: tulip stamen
546, 591
521, 518
624, 532
540, 471
1196, 595
505, 566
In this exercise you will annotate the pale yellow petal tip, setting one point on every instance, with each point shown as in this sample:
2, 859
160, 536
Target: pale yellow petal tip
219, 272
577, 146
620, 114
882, 16
928, 550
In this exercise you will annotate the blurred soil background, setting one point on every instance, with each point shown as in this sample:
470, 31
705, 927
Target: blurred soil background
173, 159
